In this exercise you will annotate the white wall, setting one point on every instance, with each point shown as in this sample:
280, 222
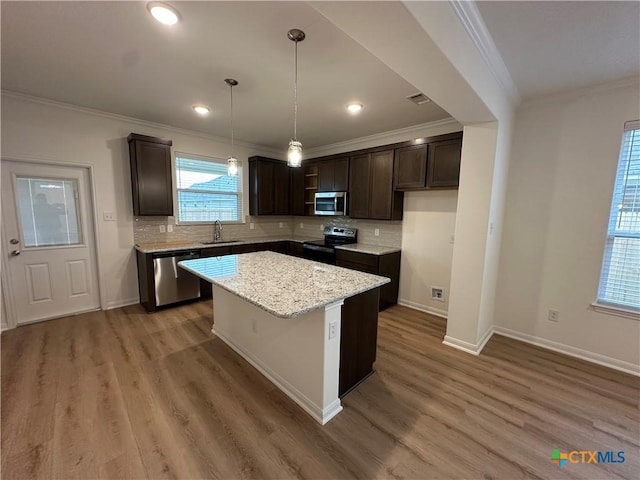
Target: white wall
45, 131
428, 228
560, 183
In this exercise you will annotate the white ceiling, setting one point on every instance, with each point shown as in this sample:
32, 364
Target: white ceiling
114, 57
555, 45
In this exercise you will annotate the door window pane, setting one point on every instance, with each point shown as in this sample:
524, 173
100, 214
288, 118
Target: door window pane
48, 211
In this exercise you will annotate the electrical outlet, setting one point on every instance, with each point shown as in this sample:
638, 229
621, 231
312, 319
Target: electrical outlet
437, 293
322, 227
252, 225
301, 225
169, 228
333, 329
376, 232
281, 224
163, 229
554, 315
108, 216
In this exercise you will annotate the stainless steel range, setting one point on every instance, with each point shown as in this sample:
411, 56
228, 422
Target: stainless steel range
324, 250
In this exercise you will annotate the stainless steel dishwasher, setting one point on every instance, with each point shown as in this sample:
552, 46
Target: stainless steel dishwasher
174, 284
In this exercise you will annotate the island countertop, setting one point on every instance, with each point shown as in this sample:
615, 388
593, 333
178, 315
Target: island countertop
282, 285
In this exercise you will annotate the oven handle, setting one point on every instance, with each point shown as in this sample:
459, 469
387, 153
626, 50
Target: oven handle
317, 248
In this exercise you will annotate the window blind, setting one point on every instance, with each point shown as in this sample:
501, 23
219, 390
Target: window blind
205, 192
620, 277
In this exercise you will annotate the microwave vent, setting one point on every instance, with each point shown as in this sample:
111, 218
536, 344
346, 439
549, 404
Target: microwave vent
418, 98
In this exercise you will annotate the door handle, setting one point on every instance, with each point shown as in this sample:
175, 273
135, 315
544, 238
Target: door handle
15, 253
14, 241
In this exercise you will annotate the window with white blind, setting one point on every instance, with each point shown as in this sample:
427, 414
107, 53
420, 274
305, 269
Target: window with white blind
620, 277
205, 193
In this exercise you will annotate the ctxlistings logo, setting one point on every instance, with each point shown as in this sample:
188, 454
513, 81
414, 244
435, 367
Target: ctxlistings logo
584, 456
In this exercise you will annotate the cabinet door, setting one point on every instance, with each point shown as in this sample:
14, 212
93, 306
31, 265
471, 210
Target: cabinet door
359, 185
444, 163
325, 175
151, 178
280, 188
381, 206
341, 174
410, 167
261, 177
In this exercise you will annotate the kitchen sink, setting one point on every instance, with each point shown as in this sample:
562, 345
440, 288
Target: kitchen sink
217, 242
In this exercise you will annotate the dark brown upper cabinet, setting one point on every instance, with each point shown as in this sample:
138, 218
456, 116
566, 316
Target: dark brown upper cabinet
432, 164
444, 164
371, 193
410, 167
151, 182
333, 175
269, 187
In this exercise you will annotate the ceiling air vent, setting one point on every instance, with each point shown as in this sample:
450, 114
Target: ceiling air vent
419, 98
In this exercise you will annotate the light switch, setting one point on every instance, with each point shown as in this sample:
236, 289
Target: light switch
169, 228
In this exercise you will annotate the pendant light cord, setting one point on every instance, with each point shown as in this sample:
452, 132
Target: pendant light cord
295, 96
232, 153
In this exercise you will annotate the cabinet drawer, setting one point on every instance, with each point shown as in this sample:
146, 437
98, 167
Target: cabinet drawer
357, 266
357, 257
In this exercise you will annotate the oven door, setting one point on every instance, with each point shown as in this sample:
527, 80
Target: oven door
319, 253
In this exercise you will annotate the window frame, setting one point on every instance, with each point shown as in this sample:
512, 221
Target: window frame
204, 158
620, 184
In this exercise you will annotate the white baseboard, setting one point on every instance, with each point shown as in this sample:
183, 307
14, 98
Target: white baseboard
472, 348
423, 308
580, 353
576, 352
121, 303
322, 416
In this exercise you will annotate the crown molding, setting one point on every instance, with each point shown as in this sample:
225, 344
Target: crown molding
575, 93
413, 131
136, 121
468, 13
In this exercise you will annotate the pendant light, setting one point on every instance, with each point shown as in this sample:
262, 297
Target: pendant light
294, 154
232, 161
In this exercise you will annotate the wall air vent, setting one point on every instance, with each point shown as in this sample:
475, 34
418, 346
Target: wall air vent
419, 98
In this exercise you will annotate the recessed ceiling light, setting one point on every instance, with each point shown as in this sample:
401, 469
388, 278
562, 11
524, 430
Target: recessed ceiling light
201, 109
163, 12
355, 107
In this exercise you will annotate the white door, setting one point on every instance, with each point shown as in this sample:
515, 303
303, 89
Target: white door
50, 246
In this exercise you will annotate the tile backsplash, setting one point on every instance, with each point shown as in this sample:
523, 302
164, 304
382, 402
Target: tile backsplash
148, 229
389, 233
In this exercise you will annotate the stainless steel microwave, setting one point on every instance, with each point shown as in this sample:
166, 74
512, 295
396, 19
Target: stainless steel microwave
331, 203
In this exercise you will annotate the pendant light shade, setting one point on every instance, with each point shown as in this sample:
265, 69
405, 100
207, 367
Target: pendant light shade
294, 154
232, 161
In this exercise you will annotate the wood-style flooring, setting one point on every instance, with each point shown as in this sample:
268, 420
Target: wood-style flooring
125, 394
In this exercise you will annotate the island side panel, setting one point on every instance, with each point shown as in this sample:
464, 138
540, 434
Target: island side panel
359, 339
296, 353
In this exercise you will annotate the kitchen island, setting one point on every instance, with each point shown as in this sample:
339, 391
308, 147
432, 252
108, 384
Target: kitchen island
310, 328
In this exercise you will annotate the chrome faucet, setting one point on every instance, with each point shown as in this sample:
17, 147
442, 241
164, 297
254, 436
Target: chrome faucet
217, 231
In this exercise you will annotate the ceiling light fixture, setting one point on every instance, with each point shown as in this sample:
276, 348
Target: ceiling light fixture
232, 161
201, 109
294, 154
163, 12
355, 107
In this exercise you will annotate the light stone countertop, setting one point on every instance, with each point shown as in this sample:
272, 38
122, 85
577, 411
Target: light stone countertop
370, 249
158, 247
282, 285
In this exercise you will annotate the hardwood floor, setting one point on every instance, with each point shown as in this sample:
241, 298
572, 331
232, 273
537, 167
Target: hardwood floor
125, 394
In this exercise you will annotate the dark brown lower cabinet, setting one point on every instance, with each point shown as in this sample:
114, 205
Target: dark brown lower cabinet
387, 265
358, 339
295, 249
